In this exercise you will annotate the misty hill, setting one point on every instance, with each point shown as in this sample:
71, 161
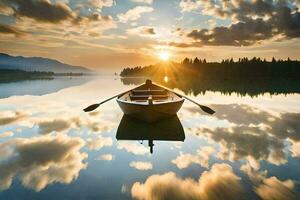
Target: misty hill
38, 64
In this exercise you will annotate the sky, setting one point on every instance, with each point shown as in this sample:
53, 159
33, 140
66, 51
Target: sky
113, 34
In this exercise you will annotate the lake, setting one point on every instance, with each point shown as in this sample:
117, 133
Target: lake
51, 149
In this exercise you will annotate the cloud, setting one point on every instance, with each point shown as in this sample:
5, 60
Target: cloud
48, 15
133, 148
60, 125
40, 161
287, 126
201, 158
107, 157
102, 3
7, 29
8, 118
141, 165
246, 114
239, 34
6, 10
145, 31
6, 134
218, 183
240, 142
57, 125
43, 10
99, 142
295, 149
253, 134
134, 13
143, 1
270, 188
252, 22
189, 5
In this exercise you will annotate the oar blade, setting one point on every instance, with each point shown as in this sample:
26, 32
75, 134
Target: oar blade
207, 109
91, 107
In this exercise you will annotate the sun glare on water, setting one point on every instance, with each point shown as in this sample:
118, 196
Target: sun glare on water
165, 56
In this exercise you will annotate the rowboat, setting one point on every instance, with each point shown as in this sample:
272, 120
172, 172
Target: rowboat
150, 102
169, 129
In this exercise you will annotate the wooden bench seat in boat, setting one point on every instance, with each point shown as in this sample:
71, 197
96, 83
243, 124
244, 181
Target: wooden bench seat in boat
149, 92
146, 97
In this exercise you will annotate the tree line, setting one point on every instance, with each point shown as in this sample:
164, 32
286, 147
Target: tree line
243, 68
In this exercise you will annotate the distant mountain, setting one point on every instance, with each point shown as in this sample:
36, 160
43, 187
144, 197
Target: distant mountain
38, 64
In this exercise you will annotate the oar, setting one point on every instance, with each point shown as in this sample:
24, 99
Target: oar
204, 108
95, 106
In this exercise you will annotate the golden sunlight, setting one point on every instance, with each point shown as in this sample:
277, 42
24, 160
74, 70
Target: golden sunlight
166, 79
165, 56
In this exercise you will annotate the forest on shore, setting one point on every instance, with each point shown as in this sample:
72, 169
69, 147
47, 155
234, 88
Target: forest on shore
244, 68
245, 76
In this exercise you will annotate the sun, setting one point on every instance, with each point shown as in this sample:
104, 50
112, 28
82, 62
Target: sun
165, 56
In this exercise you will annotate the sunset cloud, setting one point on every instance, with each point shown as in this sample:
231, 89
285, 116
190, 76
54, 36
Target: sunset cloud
43, 11
134, 13
218, 183
40, 161
146, 31
109, 29
254, 21
7, 29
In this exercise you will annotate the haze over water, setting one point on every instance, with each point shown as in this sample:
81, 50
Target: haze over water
51, 149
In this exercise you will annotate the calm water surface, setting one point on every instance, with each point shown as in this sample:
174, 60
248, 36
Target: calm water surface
51, 149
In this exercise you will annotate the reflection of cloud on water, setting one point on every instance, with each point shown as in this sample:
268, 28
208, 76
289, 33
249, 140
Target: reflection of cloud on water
133, 148
218, 183
141, 165
295, 149
237, 114
107, 157
201, 158
242, 141
11, 117
253, 134
270, 188
57, 125
98, 143
49, 125
6, 134
40, 161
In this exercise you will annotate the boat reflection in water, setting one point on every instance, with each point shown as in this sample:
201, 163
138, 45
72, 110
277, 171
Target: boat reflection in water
169, 129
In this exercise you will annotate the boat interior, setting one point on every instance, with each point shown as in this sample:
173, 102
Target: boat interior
146, 93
